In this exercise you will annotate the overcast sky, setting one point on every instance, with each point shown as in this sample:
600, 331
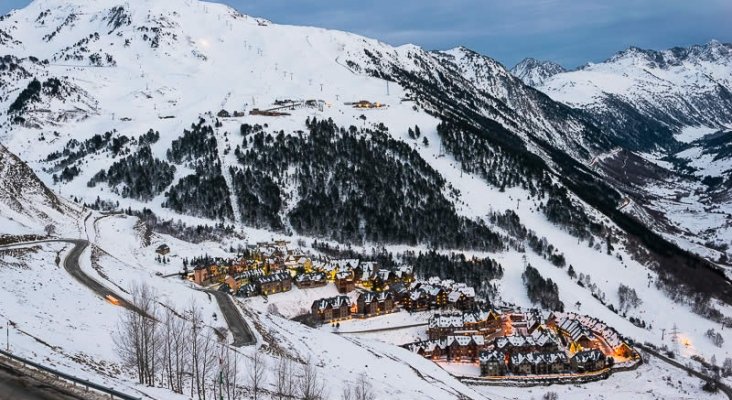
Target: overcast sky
571, 32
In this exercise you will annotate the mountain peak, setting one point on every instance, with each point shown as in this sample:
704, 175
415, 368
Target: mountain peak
713, 51
534, 72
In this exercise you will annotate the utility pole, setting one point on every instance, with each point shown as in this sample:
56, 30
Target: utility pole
675, 338
7, 336
387, 88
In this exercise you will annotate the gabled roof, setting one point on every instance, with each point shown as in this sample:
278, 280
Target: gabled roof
492, 356
334, 302
369, 297
454, 297
311, 277
588, 356
252, 273
277, 277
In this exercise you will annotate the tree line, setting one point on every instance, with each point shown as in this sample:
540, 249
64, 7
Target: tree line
352, 185
543, 292
204, 193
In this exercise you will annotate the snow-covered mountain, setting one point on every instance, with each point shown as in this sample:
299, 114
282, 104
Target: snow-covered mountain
535, 72
27, 205
645, 97
662, 104
116, 104
200, 114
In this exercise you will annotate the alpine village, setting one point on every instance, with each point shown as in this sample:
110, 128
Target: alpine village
503, 343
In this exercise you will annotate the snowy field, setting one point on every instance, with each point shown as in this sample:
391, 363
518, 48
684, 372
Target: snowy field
54, 316
652, 381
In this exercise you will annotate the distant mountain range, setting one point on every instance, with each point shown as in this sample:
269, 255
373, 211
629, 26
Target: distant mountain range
645, 97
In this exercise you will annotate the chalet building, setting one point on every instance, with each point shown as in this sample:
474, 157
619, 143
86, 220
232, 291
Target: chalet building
298, 262
579, 335
345, 282
372, 303
482, 323
538, 363
248, 290
452, 348
521, 363
442, 325
424, 296
163, 249
276, 283
524, 323
366, 272
460, 300
201, 275
540, 342
433, 349
249, 276
557, 363
583, 333
461, 348
417, 301
438, 296
332, 309
232, 283
588, 360
311, 280
486, 322
492, 363
404, 274
399, 291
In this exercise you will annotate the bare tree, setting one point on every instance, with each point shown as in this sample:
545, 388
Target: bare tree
174, 348
347, 394
310, 385
229, 373
256, 372
550, 396
285, 384
136, 338
50, 229
363, 390
203, 353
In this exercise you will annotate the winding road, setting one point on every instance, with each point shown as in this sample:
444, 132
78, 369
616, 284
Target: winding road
72, 266
237, 325
239, 329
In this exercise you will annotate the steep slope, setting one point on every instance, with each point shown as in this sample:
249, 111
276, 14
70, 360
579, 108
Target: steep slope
645, 97
207, 116
27, 206
427, 149
534, 72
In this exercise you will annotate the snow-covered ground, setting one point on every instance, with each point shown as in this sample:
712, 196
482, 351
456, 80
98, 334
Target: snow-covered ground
303, 63
692, 133
654, 380
47, 304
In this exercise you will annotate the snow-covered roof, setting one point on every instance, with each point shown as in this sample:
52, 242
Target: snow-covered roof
491, 356
334, 302
588, 356
277, 277
311, 277
252, 273
369, 297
